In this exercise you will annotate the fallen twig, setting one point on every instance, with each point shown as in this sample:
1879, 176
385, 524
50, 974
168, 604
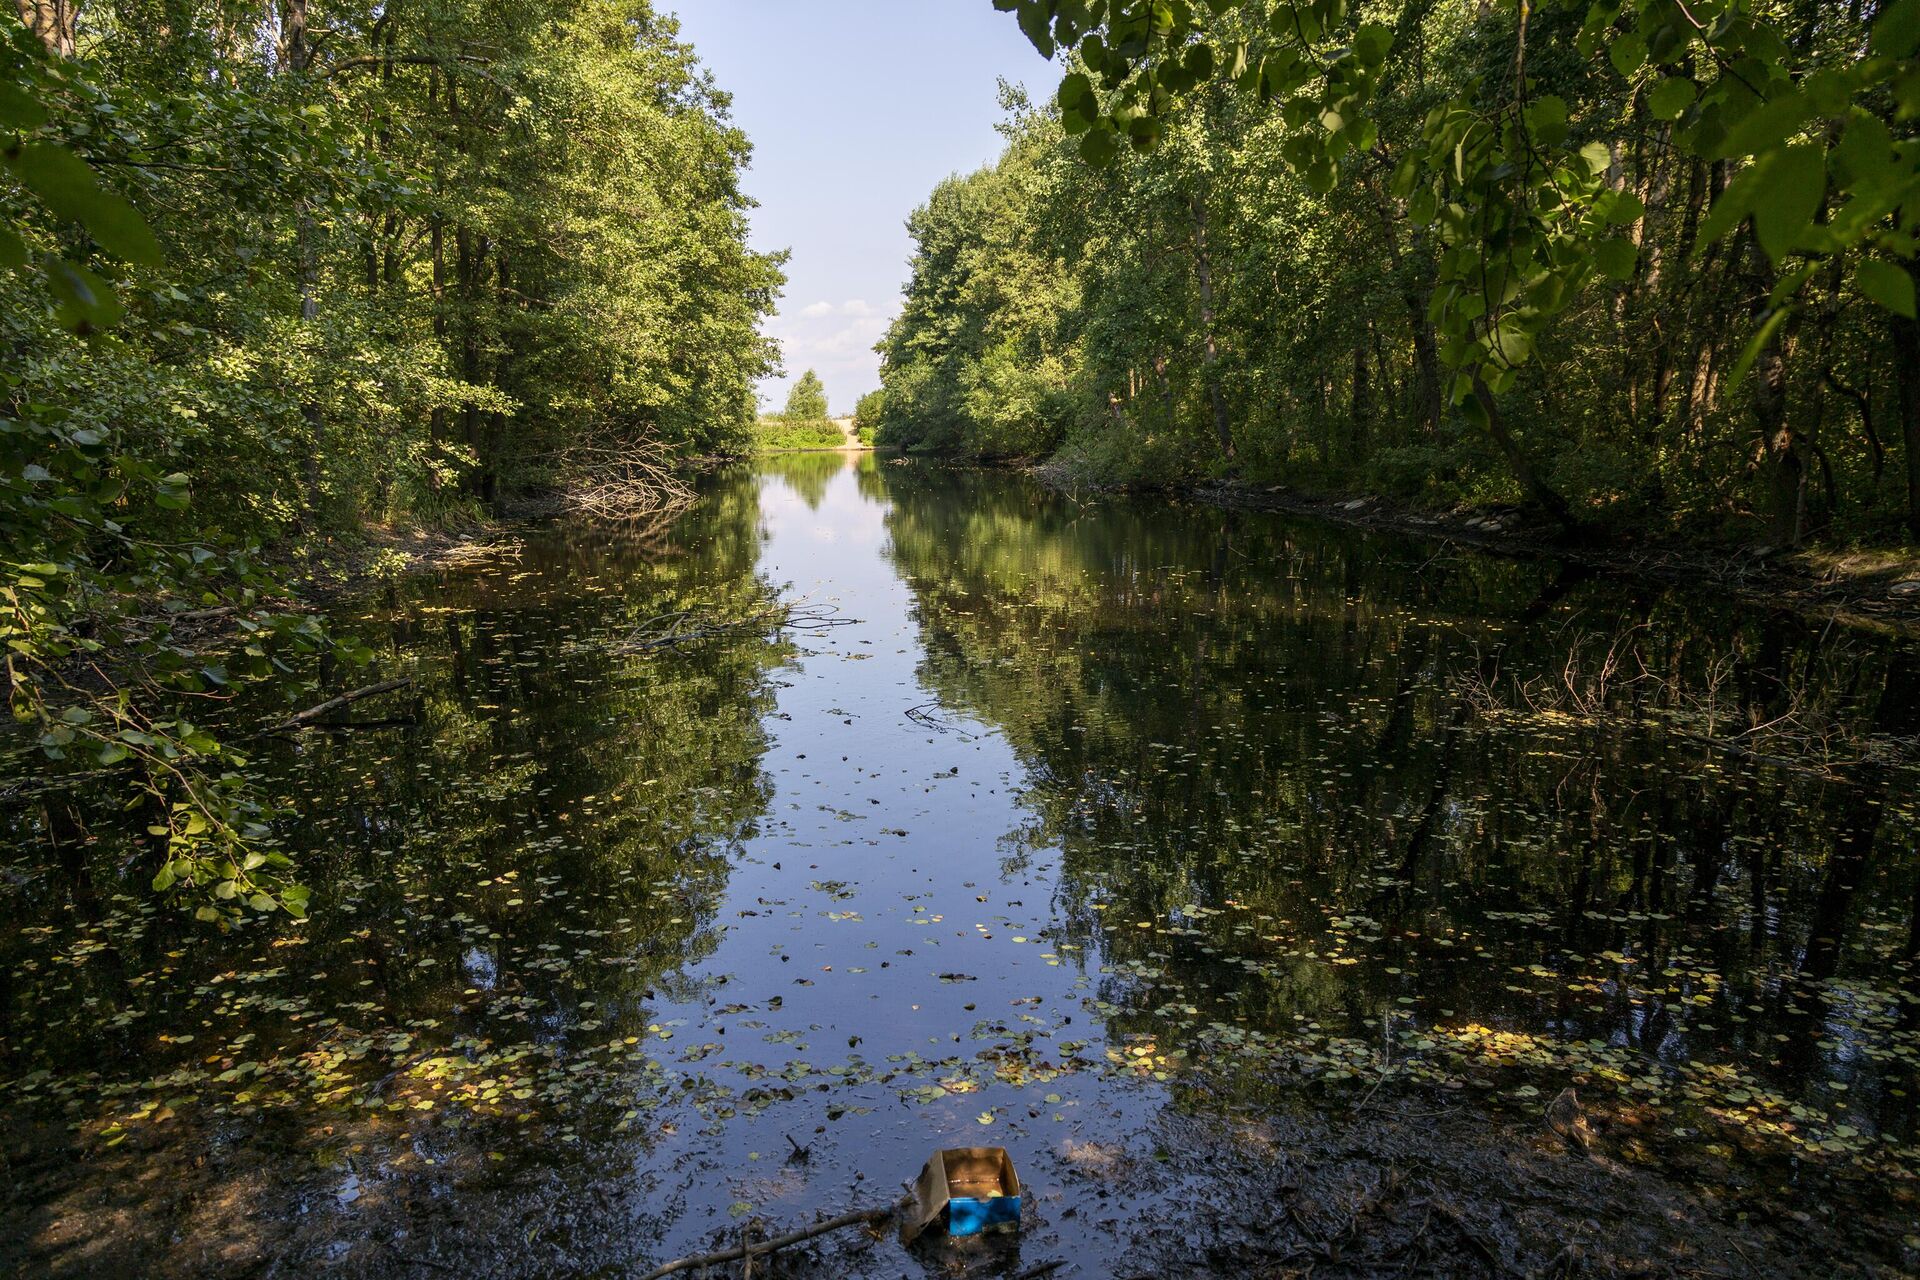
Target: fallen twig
860, 1217
334, 704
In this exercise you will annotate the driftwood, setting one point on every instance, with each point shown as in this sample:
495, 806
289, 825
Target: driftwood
860, 1217
311, 714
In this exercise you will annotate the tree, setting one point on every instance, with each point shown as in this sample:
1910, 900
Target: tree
287, 270
807, 401
1804, 114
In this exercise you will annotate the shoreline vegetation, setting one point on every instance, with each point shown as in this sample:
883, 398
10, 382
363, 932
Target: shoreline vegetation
1575, 261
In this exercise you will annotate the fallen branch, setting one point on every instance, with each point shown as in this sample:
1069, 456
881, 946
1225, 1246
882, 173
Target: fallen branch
860, 1217
690, 626
334, 704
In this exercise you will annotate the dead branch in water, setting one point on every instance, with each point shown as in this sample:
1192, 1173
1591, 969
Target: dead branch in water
1796, 719
613, 478
860, 1217
691, 626
334, 704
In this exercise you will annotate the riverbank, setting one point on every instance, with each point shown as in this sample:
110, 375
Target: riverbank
1872, 588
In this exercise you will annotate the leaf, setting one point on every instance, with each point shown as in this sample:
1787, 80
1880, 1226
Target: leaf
1627, 53
1038, 26
1784, 205
1099, 148
1758, 344
83, 301
1615, 258
1371, 43
1766, 126
1671, 97
67, 185
1072, 90
1896, 34
1888, 284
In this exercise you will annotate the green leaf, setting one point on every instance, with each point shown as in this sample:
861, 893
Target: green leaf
1888, 284
1616, 258
1758, 344
1628, 53
1784, 205
82, 300
1099, 148
1896, 33
1767, 126
1371, 43
1671, 97
1622, 208
1038, 25
67, 185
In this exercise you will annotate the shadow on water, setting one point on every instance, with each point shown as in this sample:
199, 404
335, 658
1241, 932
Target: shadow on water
1167, 847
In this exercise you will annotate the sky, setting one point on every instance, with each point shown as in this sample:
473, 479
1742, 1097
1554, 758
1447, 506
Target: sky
856, 109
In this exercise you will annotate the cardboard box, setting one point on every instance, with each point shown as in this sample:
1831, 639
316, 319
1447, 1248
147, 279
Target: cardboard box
968, 1190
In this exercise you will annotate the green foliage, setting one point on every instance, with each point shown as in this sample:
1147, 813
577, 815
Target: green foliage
976, 361
807, 401
1612, 258
257, 291
868, 413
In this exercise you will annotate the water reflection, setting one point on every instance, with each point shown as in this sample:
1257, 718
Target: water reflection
1086, 803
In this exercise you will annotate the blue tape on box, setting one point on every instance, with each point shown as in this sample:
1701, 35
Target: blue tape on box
966, 1217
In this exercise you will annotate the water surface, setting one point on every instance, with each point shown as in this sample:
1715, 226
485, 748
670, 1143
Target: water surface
1051, 821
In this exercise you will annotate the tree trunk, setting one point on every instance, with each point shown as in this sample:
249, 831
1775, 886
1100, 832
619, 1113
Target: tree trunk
1906, 362
1538, 491
1362, 403
52, 21
1203, 268
296, 58
1787, 481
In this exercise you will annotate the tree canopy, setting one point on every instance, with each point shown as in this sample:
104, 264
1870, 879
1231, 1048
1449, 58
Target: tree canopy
279, 270
1618, 260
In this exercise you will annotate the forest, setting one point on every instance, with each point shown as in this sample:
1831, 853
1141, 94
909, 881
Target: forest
1642, 266
278, 272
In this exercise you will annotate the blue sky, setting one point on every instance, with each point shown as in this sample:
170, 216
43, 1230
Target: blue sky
856, 109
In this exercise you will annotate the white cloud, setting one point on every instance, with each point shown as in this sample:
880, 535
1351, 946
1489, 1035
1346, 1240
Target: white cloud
834, 341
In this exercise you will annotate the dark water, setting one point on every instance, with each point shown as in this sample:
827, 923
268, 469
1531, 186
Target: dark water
1088, 814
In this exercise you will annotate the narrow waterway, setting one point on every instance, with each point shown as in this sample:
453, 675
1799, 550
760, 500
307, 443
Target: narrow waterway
1110, 832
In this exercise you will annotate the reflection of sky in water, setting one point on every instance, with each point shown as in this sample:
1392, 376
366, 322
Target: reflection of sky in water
877, 869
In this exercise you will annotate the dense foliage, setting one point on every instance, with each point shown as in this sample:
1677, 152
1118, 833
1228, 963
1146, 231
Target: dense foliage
1637, 262
274, 270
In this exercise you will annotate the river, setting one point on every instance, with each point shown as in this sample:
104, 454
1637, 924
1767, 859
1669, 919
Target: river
1151, 842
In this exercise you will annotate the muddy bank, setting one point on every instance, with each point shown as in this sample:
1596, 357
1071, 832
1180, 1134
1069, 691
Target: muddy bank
1417, 1184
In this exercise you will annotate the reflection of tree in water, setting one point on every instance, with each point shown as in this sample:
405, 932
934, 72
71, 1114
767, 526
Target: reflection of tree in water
498, 885
1219, 710
809, 474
